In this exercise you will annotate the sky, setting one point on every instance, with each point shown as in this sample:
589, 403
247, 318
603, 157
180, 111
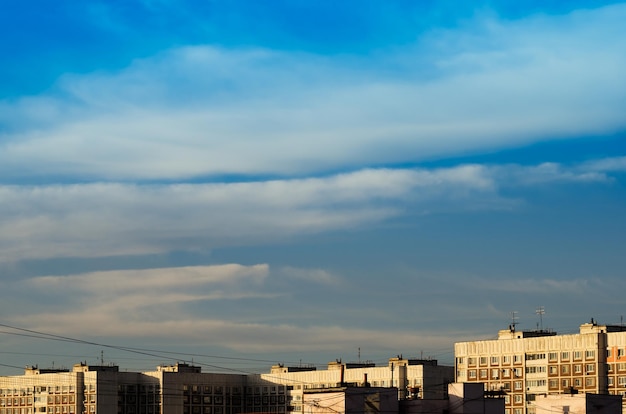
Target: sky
242, 183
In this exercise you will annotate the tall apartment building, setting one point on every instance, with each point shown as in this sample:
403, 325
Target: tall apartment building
84, 389
414, 378
525, 364
184, 389
176, 389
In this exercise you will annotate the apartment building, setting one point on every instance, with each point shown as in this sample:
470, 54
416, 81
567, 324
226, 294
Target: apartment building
527, 364
184, 389
414, 378
175, 389
84, 389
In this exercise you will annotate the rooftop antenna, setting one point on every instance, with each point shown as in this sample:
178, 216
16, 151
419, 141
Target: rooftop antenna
540, 311
101, 358
514, 319
359, 354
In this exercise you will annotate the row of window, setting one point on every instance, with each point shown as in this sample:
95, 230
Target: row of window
220, 410
249, 400
134, 389
517, 372
507, 359
220, 390
36, 390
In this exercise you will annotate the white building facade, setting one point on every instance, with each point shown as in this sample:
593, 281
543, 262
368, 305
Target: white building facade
527, 364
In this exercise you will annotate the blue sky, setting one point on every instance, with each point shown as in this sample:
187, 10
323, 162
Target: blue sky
294, 181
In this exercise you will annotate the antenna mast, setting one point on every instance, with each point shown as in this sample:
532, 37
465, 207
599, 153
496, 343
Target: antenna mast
540, 311
514, 319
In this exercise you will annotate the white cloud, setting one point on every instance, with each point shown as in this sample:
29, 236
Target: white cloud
105, 219
201, 110
613, 164
139, 297
243, 337
319, 276
154, 280
540, 286
151, 303
546, 173
100, 219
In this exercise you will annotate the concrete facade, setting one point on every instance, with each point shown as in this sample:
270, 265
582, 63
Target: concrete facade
351, 400
528, 364
184, 389
413, 378
578, 404
176, 389
463, 398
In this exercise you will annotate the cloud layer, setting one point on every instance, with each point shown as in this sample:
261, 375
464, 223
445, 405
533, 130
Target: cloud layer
107, 219
204, 111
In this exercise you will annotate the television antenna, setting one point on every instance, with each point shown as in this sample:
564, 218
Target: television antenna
514, 319
540, 311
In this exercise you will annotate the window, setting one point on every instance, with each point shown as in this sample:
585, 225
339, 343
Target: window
472, 373
506, 359
517, 358
578, 355
565, 356
553, 370
460, 360
553, 356
495, 360
565, 383
589, 382
610, 381
620, 352
495, 373
621, 381
590, 354
564, 369
590, 368
578, 368
517, 385
517, 398
483, 373
577, 382
554, 383
506, 372
471, 361
483, 360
